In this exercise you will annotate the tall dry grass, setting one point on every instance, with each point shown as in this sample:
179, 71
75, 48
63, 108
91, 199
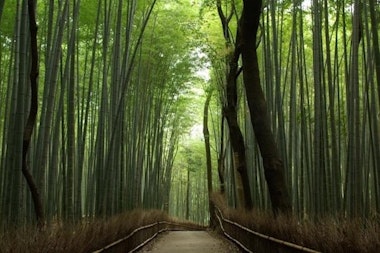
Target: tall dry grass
336, 235
87, 236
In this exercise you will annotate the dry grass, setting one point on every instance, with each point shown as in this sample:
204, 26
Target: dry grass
85, 237
326, 235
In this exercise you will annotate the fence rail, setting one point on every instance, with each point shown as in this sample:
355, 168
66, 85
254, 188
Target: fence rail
142, 235
252, 241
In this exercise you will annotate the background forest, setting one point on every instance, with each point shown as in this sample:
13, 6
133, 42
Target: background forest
121, 96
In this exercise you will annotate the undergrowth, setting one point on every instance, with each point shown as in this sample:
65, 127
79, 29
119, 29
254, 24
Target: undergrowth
325, 235
86, 236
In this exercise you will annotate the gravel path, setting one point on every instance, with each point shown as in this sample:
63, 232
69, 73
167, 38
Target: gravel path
189, 241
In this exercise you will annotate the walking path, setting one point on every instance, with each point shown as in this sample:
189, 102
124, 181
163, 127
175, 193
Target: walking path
189, 241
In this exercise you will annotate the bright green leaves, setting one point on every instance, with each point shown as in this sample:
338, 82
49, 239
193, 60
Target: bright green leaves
7, 20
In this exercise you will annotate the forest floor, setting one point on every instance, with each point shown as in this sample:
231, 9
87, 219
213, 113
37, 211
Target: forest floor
189, 241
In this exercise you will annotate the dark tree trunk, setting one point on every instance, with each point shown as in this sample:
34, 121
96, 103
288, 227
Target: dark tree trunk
230, 112
206, 135
221, 159
188, 194
237, 140
375, 41
32, 116
273, 164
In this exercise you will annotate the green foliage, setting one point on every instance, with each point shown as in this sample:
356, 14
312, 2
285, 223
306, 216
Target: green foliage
162, 100
112, 161
7, 20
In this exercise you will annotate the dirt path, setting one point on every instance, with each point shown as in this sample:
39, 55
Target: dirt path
189, 241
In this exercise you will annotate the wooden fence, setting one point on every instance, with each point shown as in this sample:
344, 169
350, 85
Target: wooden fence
142, 235
252, 241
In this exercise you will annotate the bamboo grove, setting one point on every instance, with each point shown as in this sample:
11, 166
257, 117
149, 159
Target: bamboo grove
113, 88
319, 66
118, 94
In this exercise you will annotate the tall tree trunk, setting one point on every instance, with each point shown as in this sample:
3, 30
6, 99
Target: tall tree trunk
41, 152
237, 140
317, 175
230, 112
354, 200
16, 112
69, 78
375, 41
221, 158
32, 115
206, 135
273, 165
188, 193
